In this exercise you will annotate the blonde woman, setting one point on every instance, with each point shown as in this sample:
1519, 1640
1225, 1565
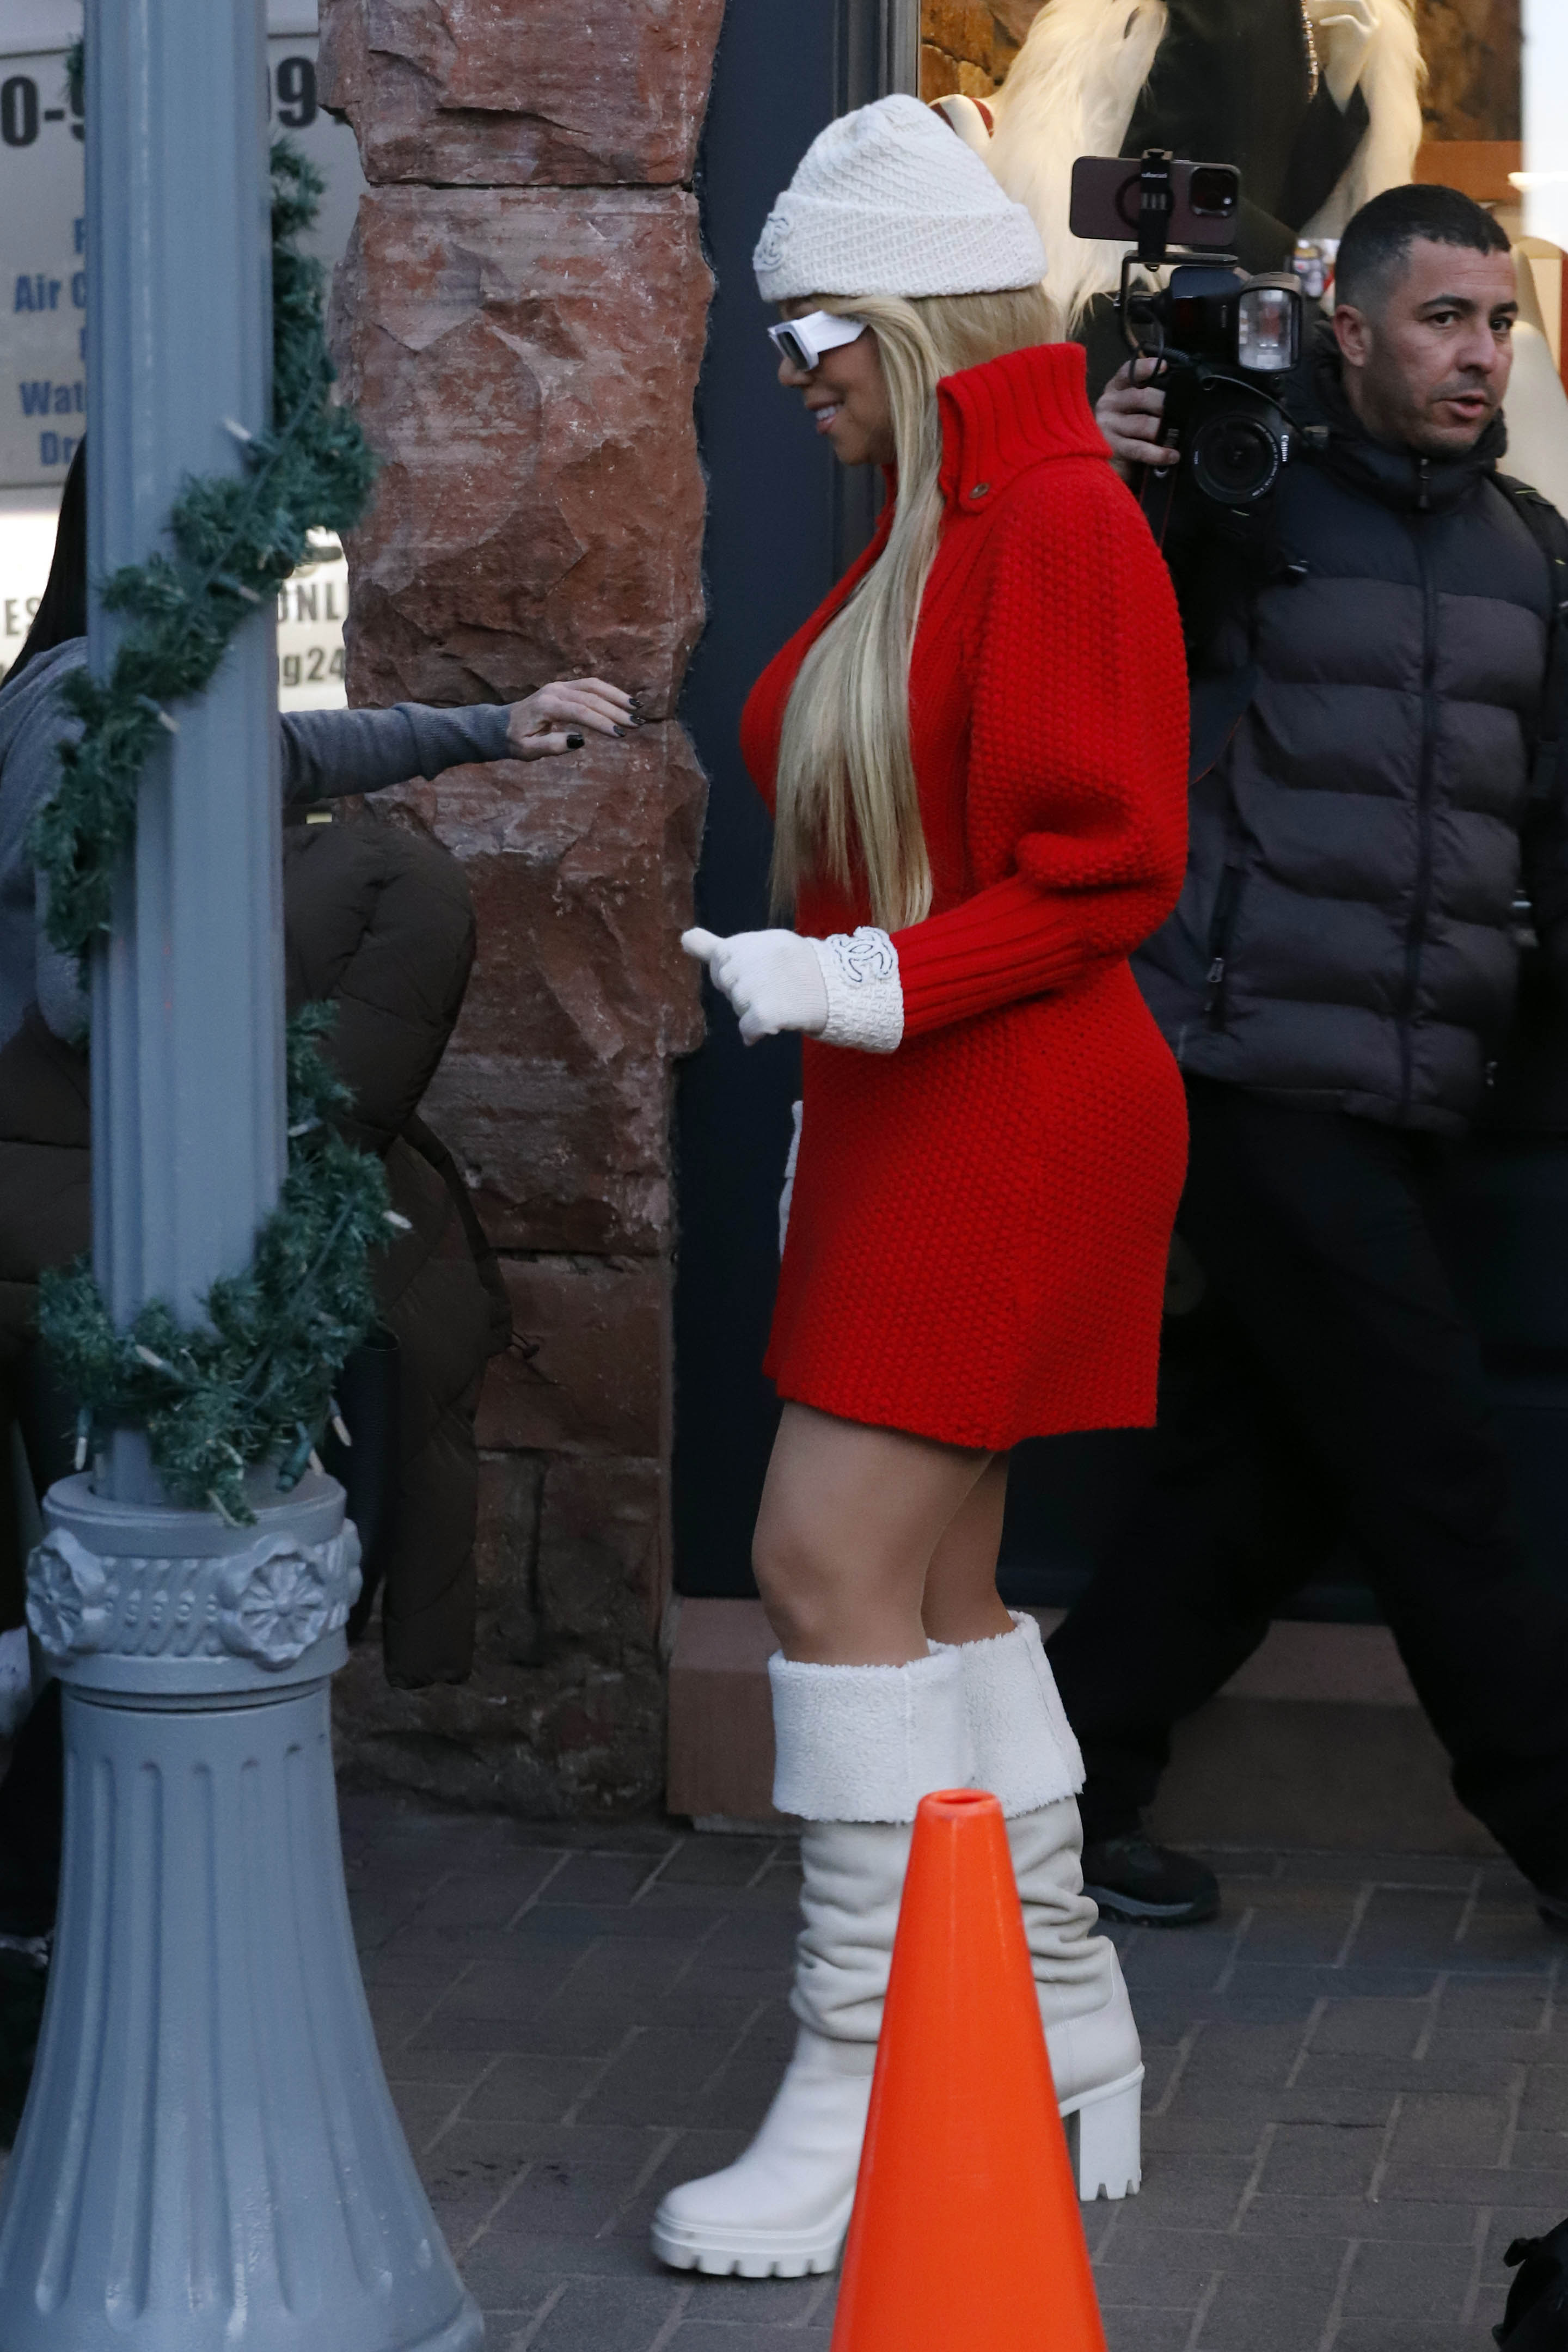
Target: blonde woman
975, 751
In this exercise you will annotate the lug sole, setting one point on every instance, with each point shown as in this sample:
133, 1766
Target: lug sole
1105, 2139
1104, 2143
755, 2254
1114, 1905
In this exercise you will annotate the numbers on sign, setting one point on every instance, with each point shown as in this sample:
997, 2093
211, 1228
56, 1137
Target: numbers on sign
19, 110
311, 668
296, 93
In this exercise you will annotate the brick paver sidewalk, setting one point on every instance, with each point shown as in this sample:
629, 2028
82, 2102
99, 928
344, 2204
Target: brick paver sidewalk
1357, 2089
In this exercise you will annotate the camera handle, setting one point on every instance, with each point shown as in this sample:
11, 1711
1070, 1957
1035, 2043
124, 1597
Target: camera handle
1156, 494
1157, 489
1155, 485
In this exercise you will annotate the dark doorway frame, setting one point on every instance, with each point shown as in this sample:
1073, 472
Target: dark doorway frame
782, 522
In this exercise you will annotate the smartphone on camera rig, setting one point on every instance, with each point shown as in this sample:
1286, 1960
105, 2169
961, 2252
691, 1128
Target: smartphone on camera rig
1220, 337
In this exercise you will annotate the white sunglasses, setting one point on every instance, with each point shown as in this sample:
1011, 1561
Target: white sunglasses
803, 341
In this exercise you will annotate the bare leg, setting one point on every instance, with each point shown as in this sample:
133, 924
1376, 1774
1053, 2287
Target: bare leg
850, 1520
962, 1602
860, 1530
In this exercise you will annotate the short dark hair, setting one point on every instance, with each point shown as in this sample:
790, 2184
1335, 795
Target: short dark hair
1375, 248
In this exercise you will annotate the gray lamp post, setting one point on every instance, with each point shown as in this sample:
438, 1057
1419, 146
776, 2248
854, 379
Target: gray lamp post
209, 2157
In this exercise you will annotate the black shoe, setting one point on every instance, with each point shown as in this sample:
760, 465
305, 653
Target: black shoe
1536, 2318
1131, 1879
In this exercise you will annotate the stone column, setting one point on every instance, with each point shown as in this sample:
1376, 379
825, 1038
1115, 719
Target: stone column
520, 320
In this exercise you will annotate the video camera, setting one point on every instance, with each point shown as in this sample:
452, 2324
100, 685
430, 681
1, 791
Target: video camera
1218, 335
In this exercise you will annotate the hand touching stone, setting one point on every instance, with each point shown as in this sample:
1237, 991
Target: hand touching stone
553, 719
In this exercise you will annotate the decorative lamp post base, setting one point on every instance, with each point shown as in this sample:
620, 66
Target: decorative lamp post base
209, 2159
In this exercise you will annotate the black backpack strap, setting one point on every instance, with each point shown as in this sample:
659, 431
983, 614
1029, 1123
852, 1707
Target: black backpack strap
1550, 532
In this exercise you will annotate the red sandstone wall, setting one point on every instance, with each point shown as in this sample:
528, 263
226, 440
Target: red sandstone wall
520, 320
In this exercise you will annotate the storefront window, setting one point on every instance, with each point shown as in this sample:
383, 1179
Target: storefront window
43, 302
1491, 115
1546, 119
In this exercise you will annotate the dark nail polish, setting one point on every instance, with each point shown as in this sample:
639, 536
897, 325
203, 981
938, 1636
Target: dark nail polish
574, 741
621, 733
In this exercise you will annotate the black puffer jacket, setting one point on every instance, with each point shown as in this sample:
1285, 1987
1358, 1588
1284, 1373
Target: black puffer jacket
1364, 714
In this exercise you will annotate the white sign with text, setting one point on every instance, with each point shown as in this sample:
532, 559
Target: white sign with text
44, 324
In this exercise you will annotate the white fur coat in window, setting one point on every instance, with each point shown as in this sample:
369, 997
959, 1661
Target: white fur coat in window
1072, 91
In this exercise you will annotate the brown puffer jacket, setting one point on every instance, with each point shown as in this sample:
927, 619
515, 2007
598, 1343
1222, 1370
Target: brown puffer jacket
377, 920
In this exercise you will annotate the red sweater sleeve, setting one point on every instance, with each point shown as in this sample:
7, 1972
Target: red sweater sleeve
1076, 782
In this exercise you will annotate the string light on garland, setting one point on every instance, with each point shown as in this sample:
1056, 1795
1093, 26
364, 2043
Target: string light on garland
253, 1382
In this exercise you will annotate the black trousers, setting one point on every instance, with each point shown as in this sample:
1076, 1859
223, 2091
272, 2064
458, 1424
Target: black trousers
1327, 1380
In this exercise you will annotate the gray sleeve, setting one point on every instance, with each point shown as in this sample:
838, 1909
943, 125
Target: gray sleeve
56, 977
328, 752
32, 774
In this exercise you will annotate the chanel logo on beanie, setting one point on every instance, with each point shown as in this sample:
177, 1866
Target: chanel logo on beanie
771, 245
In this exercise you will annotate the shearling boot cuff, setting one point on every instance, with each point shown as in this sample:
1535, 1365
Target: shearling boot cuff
867, 1743
1025, 1752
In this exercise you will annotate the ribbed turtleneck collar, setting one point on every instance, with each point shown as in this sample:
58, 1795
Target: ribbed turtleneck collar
1000, 418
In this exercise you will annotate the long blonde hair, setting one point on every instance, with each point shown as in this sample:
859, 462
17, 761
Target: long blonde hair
847, 806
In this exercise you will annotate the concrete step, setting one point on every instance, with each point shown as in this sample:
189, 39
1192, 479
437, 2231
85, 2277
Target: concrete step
1317, 1742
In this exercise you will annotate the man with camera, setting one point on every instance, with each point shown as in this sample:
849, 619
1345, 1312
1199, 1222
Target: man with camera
1376, 689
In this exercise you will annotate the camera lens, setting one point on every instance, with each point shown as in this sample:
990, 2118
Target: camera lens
1214, 189
1234, 459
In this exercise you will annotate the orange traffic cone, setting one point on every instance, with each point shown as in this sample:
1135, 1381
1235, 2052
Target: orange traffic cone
966, 2231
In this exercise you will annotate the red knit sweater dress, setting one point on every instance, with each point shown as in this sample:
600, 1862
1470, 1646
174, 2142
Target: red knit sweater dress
978, 1232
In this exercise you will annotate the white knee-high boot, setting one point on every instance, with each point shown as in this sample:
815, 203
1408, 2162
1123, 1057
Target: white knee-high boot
858, 1747
1024, 1753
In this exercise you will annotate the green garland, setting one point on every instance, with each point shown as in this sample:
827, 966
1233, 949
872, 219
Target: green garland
236, 538
253, 1384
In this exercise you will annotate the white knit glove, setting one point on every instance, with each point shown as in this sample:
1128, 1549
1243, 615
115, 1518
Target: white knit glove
772, 978
844, 990
1343, 31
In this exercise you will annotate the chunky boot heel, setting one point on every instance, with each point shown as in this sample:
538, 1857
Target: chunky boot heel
1105, 2139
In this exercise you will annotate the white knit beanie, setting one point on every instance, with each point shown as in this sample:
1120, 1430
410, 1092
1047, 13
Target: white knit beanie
887, 200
